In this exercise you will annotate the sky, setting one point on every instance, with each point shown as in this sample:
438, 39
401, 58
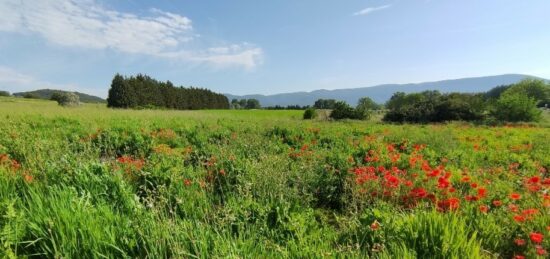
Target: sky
267, 47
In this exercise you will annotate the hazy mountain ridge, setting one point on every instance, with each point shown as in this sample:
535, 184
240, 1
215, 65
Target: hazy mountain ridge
47, 94
381, 93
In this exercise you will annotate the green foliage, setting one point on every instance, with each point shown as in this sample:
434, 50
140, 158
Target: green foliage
495, 92
143, 91
5, 93
66, 99
515, 107
96, 182
31, 96
245, 104
366, 106
253, 104
432, 106
533, 88
342, 110
325, 104
310, 113
50, 94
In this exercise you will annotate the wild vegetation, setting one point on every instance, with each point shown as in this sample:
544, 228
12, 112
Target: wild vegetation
96, 182
48, 94
512, 103
142, 91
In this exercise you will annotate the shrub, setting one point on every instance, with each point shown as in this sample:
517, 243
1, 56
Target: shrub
31, 96
342, 110
66, 99
4, 93
365, 107
310, 113
514, 107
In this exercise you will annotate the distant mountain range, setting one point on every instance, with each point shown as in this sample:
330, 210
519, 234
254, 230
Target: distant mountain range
382, 93
379, 93
47, 94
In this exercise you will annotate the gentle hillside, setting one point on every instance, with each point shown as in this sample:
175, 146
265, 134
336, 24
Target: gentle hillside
47, 93
381, 93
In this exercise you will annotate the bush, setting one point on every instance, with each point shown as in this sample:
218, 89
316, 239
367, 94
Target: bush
514, 107
342, 110
31, 96
4, 93
310, 113
66, 99
365, 107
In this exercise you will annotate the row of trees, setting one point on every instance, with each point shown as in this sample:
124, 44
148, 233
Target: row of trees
516, 102
142, 91
245, 104
342, 110
288, 107
513, 103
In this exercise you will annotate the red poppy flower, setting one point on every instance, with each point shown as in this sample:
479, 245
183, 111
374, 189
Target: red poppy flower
187, 182
533, 180
536, 237
497, 203
519, 218
519, 241
484, 208
515, 196
481, 192
449, 204
375, 225
418, 193
540, 250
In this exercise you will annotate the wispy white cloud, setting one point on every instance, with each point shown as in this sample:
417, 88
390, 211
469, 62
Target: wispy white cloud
369, 10
87, 24
15, 81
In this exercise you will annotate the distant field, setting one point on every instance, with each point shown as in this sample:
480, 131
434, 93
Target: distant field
96, 182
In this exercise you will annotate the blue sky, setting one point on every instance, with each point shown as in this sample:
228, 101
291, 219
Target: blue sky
266, 47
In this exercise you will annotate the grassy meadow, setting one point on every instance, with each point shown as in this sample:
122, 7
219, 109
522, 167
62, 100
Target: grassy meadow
92, 182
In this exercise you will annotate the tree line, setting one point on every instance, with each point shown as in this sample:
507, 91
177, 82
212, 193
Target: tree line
511, 103
245, 104
142, 91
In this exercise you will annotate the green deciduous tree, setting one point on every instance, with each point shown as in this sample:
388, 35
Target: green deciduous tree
515, 107
365, 107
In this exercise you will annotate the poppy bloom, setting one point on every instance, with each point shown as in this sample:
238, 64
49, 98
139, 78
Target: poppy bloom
519, 218
465, 179
519, 257
375, 225
484, 208
513, 207
443, 183
187, 182
536, 237
471, 198
515, 196
418, 193
481, 192
28, 178
449, 204
519, 242
540, 250
530, 212
497, 203
533, 180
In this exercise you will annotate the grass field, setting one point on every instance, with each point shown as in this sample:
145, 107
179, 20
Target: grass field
91, 182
